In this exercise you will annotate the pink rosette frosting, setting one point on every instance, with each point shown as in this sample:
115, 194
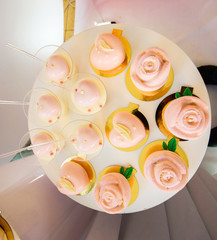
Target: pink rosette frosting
73, 179
150, 69
113, 193
132, 133
108, 52
166, 170
44, 150
186, 117
87, 139
87, 93
57, 68
48, 107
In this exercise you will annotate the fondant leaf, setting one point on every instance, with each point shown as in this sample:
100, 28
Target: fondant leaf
122, 170
128, 172
164, 146
177, 95
172, 145
187, 92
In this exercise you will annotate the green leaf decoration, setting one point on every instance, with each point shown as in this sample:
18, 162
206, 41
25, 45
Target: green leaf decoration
128, 172
172, 145
187, 92
177, 95
164, 146
122, 170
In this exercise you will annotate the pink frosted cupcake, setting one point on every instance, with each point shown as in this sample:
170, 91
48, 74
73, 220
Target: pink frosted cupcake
108, 52
89, 94
57, 68
128, 130
73, 179
150, 69
186, 117
113, 193
46, 151
48, 108
166, 170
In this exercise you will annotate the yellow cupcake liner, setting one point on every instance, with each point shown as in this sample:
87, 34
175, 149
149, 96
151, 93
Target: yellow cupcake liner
72, 70
157, 146
132, 180
133, 109
119, 69
148, 96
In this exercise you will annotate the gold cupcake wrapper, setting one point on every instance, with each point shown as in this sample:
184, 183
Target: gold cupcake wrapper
6, 228
157, 146
148, 96
119, 69
133, 109
132, 180
90, 172
160, 113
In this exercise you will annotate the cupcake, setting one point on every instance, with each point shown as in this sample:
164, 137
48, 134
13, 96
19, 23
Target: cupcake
185, 117
58, 68
110, 53
77, 177
48, 108
127, 129
49, 144
150, 75
85, 137
89, 94
116, 189
73, 179
46, 151
165, 167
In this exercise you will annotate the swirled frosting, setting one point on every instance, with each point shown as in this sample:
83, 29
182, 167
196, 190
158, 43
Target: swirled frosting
73, 179
150, 69
128, 130
166, 170
113, 193
48, 107
87, 139
44, 150
87, 93
57, 68
108, 52
186, 117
